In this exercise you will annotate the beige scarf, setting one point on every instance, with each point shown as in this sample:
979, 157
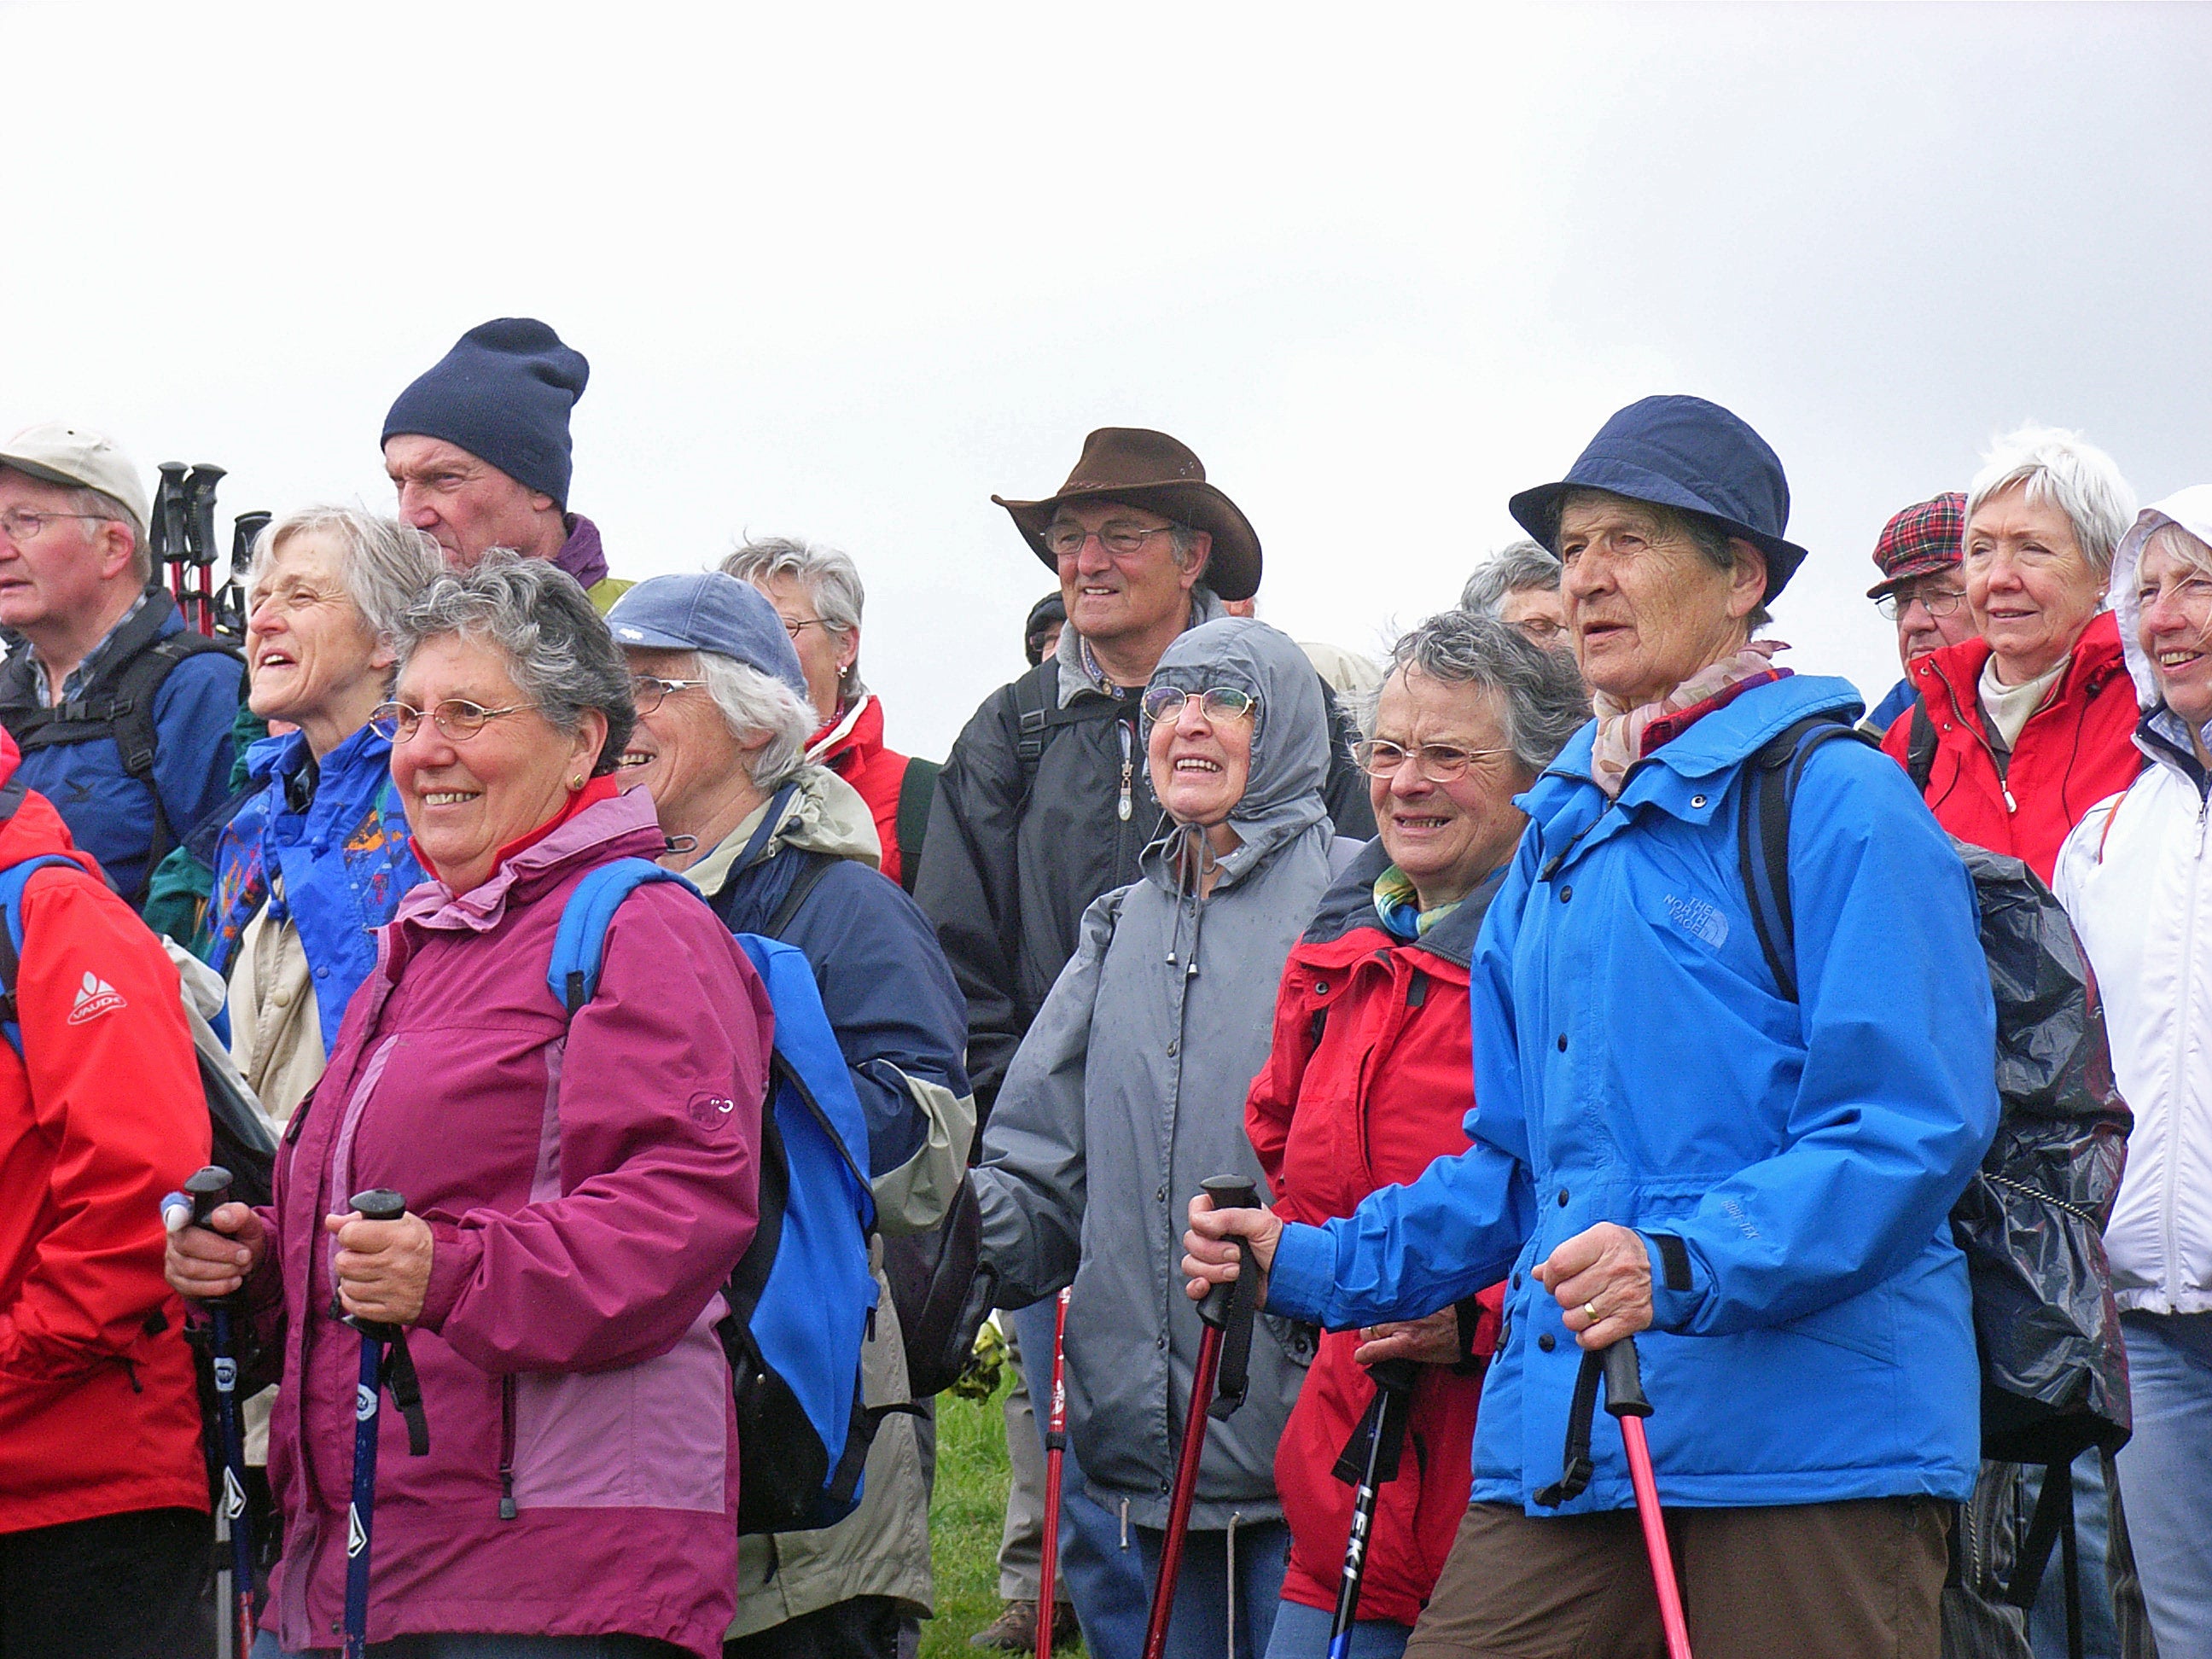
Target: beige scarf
1621, 730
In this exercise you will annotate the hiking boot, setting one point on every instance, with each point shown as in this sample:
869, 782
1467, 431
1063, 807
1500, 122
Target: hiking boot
1014, 1630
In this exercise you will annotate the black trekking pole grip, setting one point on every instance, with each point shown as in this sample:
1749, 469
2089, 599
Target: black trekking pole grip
380, 1204
1230, 1193
208, 1190
1623, 1381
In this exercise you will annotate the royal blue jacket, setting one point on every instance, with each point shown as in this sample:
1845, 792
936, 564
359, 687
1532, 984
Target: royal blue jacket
343, 864
1635, 1063
110, 813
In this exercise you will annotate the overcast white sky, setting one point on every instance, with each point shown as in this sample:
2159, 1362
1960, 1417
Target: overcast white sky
844, 271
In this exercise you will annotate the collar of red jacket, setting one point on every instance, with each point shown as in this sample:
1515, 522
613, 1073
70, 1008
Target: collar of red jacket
1954, 674
857, 731
598, 789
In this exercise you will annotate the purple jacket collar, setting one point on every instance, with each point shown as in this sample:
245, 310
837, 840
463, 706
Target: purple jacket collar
580, 555
624, 827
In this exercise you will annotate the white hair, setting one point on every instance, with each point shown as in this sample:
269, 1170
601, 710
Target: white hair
751, 703
2057, 468
385, 565
1516, 567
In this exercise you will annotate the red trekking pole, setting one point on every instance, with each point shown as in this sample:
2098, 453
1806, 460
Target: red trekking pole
1624, 1398
1056, 1454
1225, 1354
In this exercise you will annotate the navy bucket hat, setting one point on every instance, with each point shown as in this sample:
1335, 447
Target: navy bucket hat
1688, 454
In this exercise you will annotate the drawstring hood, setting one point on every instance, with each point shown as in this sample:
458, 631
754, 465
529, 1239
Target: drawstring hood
1289, 765
2162, 734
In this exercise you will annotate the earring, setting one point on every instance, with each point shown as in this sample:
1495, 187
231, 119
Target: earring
575, 784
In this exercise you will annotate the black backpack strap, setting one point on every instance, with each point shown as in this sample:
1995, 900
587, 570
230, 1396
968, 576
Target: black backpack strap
1770, 786
917, 793
1920, 747
812, 868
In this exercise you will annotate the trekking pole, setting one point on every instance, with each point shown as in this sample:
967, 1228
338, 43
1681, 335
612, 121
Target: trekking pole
208, 1190
1624, 1398
198, 597
1385, 1426
379, 1204
1225, 1354
170, 532
1056, 1454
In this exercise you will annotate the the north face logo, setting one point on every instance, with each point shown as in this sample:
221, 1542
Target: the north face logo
95, 997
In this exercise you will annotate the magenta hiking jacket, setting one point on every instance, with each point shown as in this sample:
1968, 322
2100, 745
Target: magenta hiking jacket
590, 1185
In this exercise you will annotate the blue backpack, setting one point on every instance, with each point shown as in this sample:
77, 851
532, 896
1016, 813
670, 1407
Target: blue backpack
802, 1299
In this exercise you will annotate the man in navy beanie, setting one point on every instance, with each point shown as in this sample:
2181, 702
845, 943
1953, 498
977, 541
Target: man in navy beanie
477, 448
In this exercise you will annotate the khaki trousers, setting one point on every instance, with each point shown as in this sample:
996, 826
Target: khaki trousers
1859, 1580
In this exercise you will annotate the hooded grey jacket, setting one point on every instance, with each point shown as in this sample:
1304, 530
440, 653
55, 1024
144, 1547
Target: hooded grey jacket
1129, 1091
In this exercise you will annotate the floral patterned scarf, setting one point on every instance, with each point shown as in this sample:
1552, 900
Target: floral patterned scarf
1626, 735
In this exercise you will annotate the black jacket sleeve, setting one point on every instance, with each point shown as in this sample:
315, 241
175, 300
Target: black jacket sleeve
969, 889
1347, 788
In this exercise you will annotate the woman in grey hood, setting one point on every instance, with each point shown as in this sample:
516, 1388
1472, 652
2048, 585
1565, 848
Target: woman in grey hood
1129, 1091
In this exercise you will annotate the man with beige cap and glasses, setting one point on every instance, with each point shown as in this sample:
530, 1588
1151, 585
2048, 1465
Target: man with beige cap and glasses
123, 717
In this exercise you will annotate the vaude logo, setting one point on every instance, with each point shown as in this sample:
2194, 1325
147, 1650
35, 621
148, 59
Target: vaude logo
95, 997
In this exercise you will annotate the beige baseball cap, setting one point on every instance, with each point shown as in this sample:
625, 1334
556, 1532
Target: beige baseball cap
80, 459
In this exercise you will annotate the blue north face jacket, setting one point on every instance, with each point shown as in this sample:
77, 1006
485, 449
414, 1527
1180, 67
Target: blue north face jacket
1635, 1063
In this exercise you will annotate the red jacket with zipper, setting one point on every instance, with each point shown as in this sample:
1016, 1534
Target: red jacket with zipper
2075, 751
852, 746
1370, 1081
103, 1115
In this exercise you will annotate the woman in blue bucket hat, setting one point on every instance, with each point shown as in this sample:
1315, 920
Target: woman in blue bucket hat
1752, 1178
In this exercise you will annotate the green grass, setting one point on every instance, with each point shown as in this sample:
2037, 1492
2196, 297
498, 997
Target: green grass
966, 1514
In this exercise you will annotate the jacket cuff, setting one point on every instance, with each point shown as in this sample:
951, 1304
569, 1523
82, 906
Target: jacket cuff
454, 1257
1679, 1284
1304, 1273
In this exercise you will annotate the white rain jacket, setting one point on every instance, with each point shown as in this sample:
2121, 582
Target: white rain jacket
2135, 876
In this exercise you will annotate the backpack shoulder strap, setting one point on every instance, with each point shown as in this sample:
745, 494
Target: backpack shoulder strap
805, 1043
572, 975
13, 880
1770, 787
917, 791
1920, 747
812, 866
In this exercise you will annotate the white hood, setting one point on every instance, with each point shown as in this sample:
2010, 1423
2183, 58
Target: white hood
2190, 508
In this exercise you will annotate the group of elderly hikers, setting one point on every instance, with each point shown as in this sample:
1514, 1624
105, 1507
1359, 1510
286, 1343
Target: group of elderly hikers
1497, 1037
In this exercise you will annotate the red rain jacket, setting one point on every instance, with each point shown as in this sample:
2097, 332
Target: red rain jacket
2075, 751
99, 1413
1370, 1081
852, 746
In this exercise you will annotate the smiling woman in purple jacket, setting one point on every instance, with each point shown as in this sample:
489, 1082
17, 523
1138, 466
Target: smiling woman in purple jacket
577, 1189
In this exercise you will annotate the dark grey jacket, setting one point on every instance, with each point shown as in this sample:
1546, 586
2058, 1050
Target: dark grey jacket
1027, 829
1129, 1091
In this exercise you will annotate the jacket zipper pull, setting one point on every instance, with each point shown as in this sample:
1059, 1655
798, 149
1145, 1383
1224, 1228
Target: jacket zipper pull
1121, 809
2011, 805
506, 1509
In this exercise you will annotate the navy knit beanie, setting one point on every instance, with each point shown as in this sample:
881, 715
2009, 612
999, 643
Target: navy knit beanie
503, 393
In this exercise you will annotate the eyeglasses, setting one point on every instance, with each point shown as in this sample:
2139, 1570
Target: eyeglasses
794, 629
1938, 601
22, 526
647, 690
1065, 541
1539, 631
1220, 702
1436, 762
457, 718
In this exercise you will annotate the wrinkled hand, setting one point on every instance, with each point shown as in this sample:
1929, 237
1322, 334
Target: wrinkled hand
1210, 1250
208, 1263
383, 1267
1433, 1341
1605, 1266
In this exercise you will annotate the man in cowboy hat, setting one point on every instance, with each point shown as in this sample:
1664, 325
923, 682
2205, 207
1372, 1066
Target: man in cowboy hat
1044, 804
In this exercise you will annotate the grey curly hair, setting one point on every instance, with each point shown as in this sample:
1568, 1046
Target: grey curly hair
557, 646
1541, 691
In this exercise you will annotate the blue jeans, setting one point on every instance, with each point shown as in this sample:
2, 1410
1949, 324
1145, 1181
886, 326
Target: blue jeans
2046, 1619
2166, 1473
468, 1646
1206, 1600
1101, 1574
1302, 1632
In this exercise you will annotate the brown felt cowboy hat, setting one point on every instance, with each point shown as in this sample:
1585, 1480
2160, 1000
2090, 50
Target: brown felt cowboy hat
1152, 470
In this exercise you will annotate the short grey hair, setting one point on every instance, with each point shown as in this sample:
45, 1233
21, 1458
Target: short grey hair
384, 564
2180, 542
832, 580
1541, 692
98, 504
2057, 468
1516, 567
1708, 535
753, 703
557, 646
